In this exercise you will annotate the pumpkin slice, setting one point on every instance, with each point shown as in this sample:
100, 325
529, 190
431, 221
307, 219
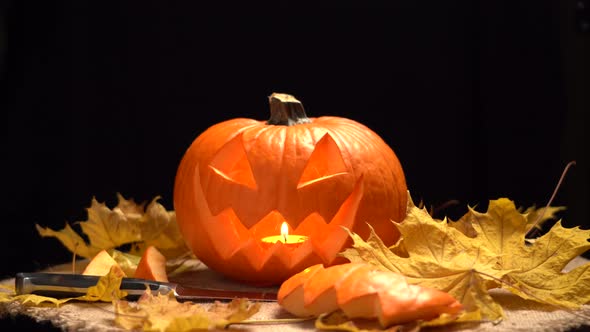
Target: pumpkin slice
387, 296
363, 291
152, 265
291, 292
101, 264
321, 292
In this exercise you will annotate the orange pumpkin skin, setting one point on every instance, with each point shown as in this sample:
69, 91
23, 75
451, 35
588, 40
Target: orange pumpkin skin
241, 178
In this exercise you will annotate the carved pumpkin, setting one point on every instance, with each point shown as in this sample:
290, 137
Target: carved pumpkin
242, 178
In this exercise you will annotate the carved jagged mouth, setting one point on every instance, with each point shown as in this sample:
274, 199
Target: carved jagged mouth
238, 243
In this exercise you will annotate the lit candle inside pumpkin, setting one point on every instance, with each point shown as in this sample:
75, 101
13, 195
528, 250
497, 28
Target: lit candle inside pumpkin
285, 238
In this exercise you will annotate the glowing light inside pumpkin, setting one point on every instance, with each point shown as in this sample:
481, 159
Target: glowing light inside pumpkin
285, 231
285, 237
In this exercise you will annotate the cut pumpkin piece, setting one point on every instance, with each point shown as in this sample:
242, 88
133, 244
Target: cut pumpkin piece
152, 265
101, 264
363, 291
291, 291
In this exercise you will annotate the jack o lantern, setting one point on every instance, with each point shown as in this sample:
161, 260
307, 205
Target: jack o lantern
242, 179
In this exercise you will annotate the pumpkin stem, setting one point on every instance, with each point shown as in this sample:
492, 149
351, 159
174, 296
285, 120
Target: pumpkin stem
286, 110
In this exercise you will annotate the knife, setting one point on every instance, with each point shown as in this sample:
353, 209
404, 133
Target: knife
62, 285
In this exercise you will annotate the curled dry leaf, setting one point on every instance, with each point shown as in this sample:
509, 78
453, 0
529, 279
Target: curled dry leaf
126, 223
163, 313
482, 251
107, 289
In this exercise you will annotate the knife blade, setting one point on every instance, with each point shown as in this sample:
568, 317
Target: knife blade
62, 285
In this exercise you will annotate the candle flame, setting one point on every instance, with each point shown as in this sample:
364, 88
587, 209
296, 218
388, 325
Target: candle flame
285, 231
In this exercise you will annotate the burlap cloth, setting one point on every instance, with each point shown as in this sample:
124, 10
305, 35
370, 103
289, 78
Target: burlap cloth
521, 315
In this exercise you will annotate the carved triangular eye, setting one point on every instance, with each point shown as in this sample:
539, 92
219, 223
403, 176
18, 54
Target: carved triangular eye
325, 162
231, 163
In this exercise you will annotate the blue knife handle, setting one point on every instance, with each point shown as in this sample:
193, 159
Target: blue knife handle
62, 285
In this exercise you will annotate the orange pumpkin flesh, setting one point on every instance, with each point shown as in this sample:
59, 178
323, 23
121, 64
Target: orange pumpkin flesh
391, 299
291, 291
240, 179
152, 265
320, 293
362, 291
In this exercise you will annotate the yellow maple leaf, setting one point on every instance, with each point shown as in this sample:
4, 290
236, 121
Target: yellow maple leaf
9, 295
164, 313
536, 267
438, 256
126, 223
482, 251
338, 321
127, 262
160, 229
538, 216
106, 289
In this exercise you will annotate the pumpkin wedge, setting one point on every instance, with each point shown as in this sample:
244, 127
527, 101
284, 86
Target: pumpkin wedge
152, 265
363, 291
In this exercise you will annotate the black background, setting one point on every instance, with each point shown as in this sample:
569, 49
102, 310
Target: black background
480, 100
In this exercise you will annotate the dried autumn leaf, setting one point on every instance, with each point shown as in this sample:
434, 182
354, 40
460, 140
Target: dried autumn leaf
71, 240
38, 299
538, 216
163, 313
482, 251
106, 290
127, 223
160, 229
338, 321
335, 321
440, 257
128, 262
8, 294
536, 268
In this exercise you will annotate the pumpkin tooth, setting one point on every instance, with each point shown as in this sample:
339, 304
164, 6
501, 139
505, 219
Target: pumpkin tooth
328, 247
249, 255
313, 225
301, 256
231, 238
273, 261
290, 257
267, 226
